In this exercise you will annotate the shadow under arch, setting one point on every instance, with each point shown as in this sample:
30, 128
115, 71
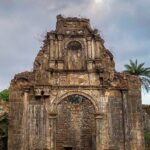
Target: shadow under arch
75, 40
89, 97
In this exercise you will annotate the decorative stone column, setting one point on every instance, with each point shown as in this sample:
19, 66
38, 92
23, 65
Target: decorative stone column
99, 122
126, 124
52, 53
60, 46
52, 131
25, 129
89, 47
56, 50
93, 49
51, 47
97, 49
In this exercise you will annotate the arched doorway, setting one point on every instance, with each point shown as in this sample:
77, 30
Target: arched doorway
75, 125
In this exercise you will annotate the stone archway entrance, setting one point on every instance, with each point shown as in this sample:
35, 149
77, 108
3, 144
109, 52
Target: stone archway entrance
75, 125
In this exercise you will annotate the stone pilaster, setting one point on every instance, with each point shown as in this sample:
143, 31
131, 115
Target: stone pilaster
93, 49
51, 48
24, 121
99, 123
56, 49
60, 47
126, 120
52, 131
89, 48
97, 50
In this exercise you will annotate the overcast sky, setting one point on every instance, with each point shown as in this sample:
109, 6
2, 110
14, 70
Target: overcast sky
123, 24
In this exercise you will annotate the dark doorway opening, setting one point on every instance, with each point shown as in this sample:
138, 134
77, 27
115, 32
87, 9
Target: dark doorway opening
67, 148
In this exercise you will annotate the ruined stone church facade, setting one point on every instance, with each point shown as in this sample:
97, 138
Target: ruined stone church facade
74, 99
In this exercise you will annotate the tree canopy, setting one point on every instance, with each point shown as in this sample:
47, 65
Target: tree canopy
138, 69
4, 95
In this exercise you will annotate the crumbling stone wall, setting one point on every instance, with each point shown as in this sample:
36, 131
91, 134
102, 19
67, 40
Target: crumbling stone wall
146, 120
74, 61
146, 117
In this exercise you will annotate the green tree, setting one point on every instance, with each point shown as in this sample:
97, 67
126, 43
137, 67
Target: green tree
147, 139
4, 95
134, 68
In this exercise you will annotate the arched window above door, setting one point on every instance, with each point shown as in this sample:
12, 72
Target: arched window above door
74, 45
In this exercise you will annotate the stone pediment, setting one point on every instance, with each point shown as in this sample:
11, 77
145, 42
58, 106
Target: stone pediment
74, 26
74, 48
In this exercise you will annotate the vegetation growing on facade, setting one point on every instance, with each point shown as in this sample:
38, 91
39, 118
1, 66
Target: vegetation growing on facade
147, 139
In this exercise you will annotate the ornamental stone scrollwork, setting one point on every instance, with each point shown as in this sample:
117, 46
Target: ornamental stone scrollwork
39, 92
